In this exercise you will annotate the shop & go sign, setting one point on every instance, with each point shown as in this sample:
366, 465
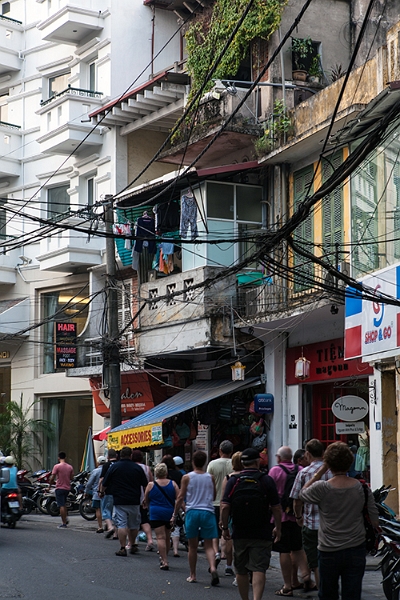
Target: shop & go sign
350, 408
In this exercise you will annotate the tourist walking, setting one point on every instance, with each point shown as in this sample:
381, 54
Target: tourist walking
159, 498
341, 536
92, 490
198, 491
251, 499
62, 474
125, 481
107, 503
137, 457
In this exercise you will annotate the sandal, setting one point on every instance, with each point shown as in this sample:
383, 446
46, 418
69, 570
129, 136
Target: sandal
283, 592
190, 580
109, 534
310, 586
164, 567
100, 530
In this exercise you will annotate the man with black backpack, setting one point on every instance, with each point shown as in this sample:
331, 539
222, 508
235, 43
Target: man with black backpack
290, 546
250, 499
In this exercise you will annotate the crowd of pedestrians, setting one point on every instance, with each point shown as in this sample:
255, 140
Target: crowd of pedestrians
306, 508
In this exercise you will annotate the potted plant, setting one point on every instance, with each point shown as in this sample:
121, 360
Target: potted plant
315, 71
301, 48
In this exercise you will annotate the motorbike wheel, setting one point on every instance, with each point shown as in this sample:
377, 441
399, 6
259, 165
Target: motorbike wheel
390, 593
27, 505
41, 504
52, 508
86, 510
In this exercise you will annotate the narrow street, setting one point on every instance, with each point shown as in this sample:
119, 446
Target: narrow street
41, 562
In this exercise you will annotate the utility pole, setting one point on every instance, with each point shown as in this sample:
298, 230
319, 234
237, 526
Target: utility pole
111, 351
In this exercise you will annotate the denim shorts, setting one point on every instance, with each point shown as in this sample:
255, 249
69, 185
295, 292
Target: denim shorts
107, 506
201, 523
127, 516
61, 497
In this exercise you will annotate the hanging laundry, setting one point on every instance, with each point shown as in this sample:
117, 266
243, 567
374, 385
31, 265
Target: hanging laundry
145, 228
167, 248
124, 229
188, 215
167, 217
135, 260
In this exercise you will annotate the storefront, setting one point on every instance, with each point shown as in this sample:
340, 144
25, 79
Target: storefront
329, 377
199, 417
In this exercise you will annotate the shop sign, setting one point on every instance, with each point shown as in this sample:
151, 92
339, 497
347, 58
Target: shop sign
350, 408
138, 437
65, 337
264, 404
350, 428
327, 362
202, 438
373, 327
136, 395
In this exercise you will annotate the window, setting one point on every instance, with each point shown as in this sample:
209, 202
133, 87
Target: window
92, 77
57, 201
4, 108
125, 324
90, 191
3, 219
332, 210
5, 8
58, 84
69, 306
304, 234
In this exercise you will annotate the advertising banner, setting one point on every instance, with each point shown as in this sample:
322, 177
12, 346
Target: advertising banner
65, 353
139, 437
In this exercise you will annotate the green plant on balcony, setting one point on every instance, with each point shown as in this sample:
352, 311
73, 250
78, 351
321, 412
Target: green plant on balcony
300, 48
315, 71
276, 128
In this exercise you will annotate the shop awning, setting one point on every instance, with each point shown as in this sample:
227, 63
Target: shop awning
145, 430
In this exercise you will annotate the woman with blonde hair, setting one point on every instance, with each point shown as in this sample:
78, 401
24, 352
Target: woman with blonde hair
160, 497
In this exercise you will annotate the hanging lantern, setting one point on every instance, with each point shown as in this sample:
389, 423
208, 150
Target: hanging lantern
238, 371
302, 368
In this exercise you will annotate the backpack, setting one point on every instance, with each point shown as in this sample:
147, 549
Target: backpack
286, 500
249, 503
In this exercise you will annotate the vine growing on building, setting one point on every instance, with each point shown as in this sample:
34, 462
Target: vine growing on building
207, 35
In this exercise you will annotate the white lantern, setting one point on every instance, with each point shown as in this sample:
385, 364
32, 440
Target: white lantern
302, 368
238, 371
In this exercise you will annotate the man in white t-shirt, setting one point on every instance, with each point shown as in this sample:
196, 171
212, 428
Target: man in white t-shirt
220, 468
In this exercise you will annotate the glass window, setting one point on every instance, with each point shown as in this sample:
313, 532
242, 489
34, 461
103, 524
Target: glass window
5, 8
57, 201
69, 306
90, 191
220, 255
58, 84
92, 77
247, 247
4, 108
248, 203
220, 201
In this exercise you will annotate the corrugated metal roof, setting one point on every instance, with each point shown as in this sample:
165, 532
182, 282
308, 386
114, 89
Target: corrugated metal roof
192, 396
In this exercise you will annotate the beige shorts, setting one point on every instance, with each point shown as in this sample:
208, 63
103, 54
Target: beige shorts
251, 555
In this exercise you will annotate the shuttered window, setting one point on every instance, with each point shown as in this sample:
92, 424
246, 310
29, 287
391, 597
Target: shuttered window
304, 234
332, 211
364, 218
125, 313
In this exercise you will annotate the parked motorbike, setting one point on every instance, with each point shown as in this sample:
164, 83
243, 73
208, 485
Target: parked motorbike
390, 566
76, 499
32, 489
10, 511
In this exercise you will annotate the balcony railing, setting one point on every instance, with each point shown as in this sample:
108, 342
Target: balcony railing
72, 91
9, 125
4, 18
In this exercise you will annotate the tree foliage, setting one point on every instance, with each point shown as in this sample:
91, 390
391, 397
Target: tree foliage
207, 35
20, 434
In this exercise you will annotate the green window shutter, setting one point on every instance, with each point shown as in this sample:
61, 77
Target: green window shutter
304, 234
364, 218
332, 209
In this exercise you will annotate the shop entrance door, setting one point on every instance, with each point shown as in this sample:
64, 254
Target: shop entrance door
324, 420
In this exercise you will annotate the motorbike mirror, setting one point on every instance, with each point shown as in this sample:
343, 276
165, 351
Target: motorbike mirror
4, 475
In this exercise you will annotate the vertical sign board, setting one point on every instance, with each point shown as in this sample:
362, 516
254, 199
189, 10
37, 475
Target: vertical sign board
65, 336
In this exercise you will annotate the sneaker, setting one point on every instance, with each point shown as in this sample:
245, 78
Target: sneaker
217, 558
234, 582
229, 572
134, 549
121, 552
63, 526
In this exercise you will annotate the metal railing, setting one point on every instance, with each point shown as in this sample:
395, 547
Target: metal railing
9, 125
4, 18
72, 91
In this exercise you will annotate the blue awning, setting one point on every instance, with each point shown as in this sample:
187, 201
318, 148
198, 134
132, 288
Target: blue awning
192, 396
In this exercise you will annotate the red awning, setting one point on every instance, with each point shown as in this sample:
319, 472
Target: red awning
137, 395
100, 436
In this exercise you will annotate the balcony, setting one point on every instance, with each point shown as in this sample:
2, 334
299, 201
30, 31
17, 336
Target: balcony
10, 150
68, 250
193, 320
10, 45
61, 116
72, 24
215, 108
8, 263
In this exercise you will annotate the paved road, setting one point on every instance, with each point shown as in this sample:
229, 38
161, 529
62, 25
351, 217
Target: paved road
40, 562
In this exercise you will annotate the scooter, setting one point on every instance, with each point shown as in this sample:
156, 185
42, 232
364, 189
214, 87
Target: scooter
10, 510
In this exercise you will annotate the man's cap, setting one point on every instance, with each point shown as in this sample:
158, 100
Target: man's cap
101, 460
178, 460
9, 460
249, 455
